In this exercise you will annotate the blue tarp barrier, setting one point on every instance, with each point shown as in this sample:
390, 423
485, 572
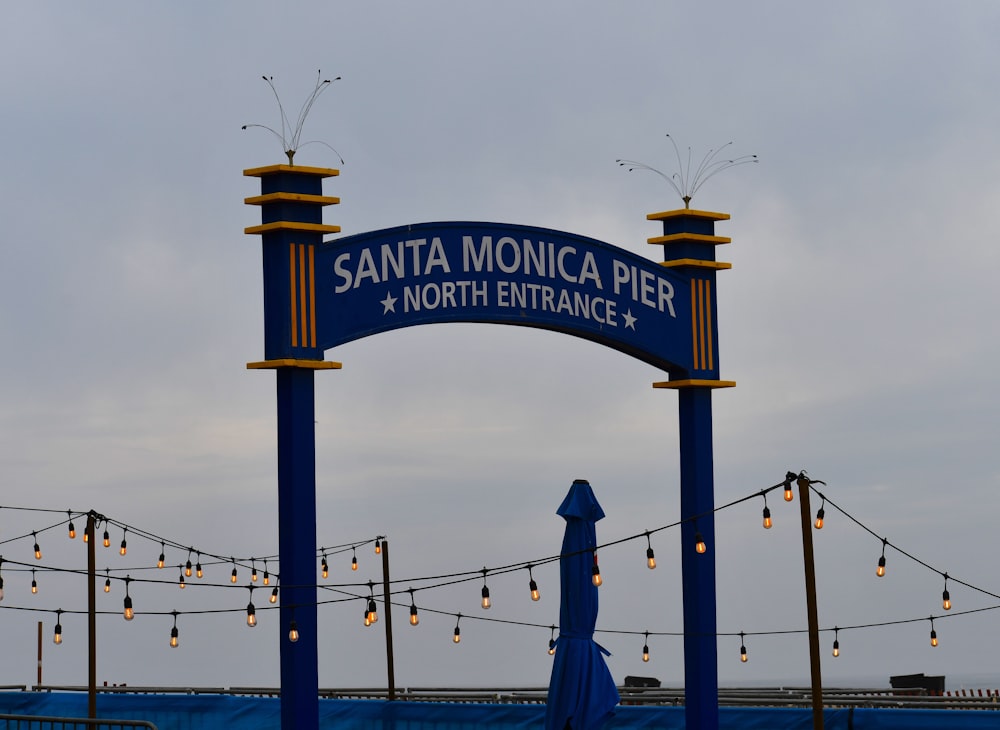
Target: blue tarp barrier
208, 712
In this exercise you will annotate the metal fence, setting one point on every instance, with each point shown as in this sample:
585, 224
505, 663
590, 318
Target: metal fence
38, 722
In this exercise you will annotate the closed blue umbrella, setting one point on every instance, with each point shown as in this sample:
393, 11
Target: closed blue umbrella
582, 693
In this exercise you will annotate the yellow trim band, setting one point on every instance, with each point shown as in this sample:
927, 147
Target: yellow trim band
291, 226
291, 362
678, 384
291, 198
688, 238
273, 169
688, 213
698, 263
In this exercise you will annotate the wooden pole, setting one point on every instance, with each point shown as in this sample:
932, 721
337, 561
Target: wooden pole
91, 618
811, 609
387, 600
39, 653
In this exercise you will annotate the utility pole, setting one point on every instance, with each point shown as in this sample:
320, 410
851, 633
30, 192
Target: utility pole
811, 608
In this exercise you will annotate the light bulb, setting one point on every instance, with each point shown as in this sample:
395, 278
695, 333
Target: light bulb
107, 539
129, 613
173, 638
743, 654
354, 562
293, 631
946, 600
199, 572
72, 530
595, 576
34, 586
457, 637
372, 610
368, 618
378, 547
251, 615
232, 577
767, 518
836, 647
819, 518
414, 618
934, 640
645, 653
650, 559
552, 647
789, 495
180, 580
325, 568
699, 543
107, 585
486, 602
161, 561
124, 547
253, 575
267, 578
1, 589
86, 537
38, 552
57, 636
880, 571
274, 595
187, 569
533, 587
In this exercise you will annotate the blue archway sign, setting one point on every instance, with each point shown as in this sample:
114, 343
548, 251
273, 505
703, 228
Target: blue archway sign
320, 294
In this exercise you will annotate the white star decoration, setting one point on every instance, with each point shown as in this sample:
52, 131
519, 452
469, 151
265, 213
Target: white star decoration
629, 320
389, 303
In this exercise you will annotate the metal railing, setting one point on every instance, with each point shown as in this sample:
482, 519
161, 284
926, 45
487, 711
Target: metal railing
41, 722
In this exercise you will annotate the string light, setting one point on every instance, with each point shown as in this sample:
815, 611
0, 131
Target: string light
180, 578
38, 550
251, 611
820, 514
645, 648
124, 546
57, 634
1, 577
486, 602
414, 618
232, 578
372, 608
354, 559
368, 617
197, 567
789, 478
934, 639
946, 597
595, 573
533, 586
187, 565
253, 571
767, 513
293, 631
267, 576
162, 560
880, 571
650, 557
552, 640
107, 538
72, 527
129, 613
743, 649
274, 595
34, 583
378, 546
836, 641
324, 567
457, 636
173, 632
699, 544
107, 581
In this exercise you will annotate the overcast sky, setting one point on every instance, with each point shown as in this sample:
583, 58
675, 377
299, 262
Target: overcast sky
858, 322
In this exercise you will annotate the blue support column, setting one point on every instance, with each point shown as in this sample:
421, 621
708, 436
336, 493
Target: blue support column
291, 202
297, 546
689, 244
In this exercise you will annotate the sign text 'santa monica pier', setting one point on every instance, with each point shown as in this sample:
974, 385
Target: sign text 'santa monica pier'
490, 272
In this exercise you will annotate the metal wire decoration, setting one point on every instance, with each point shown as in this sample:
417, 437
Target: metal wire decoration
290, 135
685, 182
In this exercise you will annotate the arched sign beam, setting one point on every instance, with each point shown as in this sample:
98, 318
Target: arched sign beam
318, 295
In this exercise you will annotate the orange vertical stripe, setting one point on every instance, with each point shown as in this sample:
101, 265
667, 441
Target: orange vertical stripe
302, 290
294, 295
694, 323
701, 321
312, 296
708, 325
